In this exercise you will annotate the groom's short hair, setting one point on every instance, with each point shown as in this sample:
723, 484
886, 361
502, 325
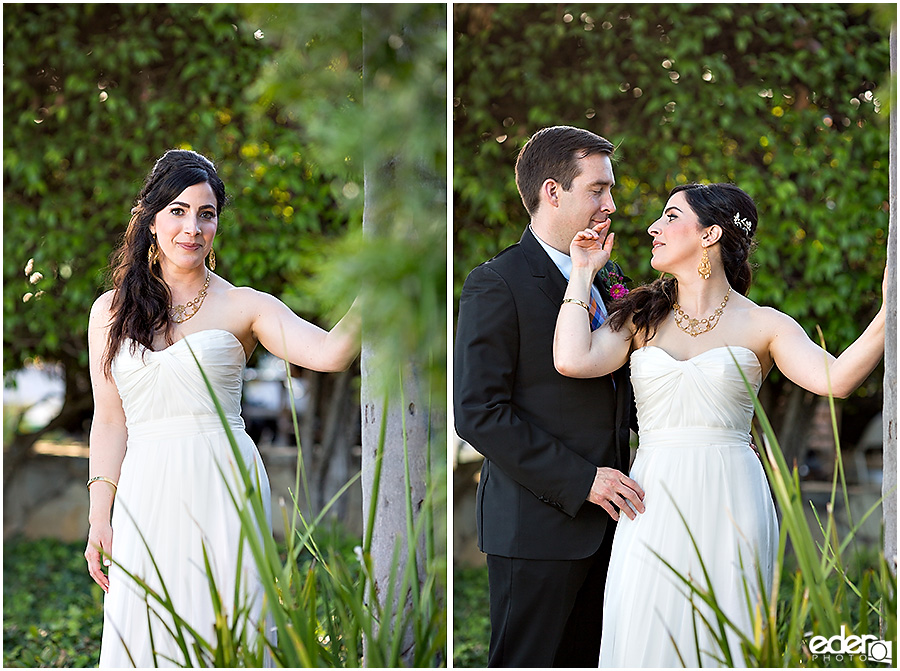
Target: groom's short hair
553, 153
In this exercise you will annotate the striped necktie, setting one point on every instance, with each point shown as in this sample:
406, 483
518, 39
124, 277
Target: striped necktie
596, 316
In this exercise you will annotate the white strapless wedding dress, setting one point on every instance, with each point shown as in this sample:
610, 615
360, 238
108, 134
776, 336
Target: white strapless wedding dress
694, 457
171, 492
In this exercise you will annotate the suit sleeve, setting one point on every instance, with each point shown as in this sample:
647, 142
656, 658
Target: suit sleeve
485, 361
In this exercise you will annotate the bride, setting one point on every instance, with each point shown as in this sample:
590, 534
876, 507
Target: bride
157, 444
685, 337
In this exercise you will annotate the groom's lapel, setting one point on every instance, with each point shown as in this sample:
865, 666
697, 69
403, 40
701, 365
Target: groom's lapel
550, 281
602, 287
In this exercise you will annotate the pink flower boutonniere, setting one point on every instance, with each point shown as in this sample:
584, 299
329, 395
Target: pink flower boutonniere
617, 291
615, 283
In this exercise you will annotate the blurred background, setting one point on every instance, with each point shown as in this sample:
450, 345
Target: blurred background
298, 120
788, 101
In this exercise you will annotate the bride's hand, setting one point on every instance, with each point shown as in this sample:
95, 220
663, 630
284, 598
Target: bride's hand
592, 247
99, 536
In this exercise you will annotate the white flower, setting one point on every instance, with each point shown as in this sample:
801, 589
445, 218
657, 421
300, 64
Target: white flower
35, 278
29, 267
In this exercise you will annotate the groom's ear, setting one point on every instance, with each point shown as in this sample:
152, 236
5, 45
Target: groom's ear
550, 192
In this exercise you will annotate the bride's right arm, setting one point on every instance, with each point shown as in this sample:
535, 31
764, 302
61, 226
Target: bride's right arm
107, 444
578, 352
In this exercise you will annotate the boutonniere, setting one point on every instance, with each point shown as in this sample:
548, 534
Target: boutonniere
614, 282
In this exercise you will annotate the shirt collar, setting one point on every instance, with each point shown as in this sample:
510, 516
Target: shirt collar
561, 260
564, 263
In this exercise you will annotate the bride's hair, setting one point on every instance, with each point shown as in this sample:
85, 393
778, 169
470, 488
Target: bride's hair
140, 302
734, 212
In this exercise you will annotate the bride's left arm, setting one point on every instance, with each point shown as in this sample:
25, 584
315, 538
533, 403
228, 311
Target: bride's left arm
809, 366
284, 334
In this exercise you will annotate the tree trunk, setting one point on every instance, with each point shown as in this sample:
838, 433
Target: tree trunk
390, 538
399, 494
889, 482
76, 410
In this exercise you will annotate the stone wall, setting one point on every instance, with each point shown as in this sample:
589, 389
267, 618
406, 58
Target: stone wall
48, 498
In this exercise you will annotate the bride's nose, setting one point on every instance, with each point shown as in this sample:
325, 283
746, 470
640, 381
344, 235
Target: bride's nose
191, 225
653, 229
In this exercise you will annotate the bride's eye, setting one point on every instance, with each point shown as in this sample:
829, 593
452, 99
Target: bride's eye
177, 211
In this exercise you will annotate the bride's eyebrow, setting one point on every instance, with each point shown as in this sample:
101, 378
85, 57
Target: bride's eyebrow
671, 208
188, 206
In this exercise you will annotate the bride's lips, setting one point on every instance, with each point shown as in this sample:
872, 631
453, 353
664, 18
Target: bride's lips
188, 246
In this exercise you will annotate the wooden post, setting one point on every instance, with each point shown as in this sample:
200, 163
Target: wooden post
889, 481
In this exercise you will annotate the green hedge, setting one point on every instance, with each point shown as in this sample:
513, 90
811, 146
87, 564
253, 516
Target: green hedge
52, 610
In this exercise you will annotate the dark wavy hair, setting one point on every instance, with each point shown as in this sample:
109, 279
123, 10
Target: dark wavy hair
553, 153
714, 204
140, 302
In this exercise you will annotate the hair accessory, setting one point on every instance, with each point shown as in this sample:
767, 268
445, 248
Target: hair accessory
741, 223
705, 269
212, 258
578, 302
694, 327
101, 478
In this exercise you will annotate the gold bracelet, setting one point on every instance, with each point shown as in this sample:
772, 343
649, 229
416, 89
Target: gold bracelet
578, 302
104, 479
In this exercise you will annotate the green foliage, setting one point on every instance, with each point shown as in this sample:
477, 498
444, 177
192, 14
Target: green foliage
471, 617
52, 610
789, 102
368, 85
93, 94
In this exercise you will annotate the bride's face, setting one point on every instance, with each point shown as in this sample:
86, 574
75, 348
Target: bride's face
186, 227
676, 237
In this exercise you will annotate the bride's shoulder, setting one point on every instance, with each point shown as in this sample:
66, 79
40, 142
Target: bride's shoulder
760, 314
102, 307
769, 319
242, 294
248, 300
101, 315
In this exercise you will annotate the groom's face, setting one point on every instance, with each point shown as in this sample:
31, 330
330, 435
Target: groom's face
589, 201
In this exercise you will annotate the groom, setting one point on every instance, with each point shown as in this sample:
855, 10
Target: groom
555, 448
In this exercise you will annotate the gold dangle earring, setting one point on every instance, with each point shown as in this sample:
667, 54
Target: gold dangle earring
212, 258
152, 254
704, 269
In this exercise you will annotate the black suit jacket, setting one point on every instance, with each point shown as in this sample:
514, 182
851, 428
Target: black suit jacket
542, 434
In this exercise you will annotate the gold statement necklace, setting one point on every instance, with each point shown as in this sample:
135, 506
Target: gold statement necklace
694, 327
181, 313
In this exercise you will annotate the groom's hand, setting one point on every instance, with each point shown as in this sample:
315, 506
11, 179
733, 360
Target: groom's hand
613, 489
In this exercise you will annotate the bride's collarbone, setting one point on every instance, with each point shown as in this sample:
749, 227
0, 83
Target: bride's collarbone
161, 341
681, 345
683, 350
